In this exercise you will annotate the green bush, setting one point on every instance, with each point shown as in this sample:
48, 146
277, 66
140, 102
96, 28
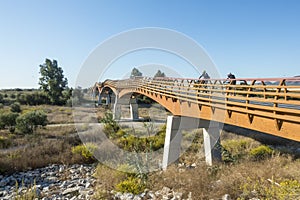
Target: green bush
8, 120
28, 122
12, 95
111, 127
5, 142
232, 150
36, 98
15, 107
270, 189
86, 151
261, 152
131, 185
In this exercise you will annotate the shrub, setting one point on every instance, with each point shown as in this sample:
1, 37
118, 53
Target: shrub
233, 149
286, 189
131, 185
12, 95
8, 120
111, 127
86, 151
28, 122
15, 107
36, 98
261, 152
4, 142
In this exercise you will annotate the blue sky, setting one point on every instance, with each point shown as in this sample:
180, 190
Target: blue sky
249, 38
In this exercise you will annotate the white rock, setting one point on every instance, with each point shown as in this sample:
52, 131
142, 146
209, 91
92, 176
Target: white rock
70, 190
226, 197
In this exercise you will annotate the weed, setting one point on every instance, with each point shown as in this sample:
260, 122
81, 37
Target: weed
261, 152
86, 151
131, 185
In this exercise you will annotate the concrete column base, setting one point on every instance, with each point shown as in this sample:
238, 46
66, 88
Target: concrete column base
211, 134
212, 147
175, 125
99, 99
134, 109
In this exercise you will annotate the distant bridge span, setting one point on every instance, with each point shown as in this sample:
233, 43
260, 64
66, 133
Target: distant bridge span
271, 106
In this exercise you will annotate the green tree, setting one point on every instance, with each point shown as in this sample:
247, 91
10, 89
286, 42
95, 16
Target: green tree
135, 72
52, 81
28, 122
159, 74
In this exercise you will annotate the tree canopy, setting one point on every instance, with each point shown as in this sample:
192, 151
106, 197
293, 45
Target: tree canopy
135, 72
159, 74
52, 81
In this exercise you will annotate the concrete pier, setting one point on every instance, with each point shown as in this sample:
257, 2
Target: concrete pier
134, 112
175, 125
173, 139
212, 148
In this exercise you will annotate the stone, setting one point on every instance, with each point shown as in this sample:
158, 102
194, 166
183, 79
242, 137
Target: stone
177, 195
87, 185
71, 190
226, 197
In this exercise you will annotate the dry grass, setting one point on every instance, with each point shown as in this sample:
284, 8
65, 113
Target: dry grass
53, 144
35, 155
205, 182
48, 145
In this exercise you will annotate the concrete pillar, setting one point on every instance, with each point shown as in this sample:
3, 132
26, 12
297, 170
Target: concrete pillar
134, 113
172, 141
211, 135
117, 109
99, 99
175, 125
107, 100
212, 148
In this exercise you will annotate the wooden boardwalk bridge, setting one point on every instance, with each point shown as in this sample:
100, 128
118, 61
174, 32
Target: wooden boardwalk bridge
270, 106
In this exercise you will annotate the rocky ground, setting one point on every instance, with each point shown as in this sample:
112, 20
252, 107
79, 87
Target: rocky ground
70, 183
52, 182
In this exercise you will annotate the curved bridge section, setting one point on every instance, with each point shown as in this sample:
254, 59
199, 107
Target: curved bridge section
270, 106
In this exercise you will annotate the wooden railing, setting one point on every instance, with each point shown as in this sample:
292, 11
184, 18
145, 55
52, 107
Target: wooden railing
277, 99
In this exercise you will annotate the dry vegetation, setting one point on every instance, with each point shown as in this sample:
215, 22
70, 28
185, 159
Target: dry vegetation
48, 145
249, 170
274, 175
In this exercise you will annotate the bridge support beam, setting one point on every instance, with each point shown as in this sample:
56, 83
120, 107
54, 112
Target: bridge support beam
99, 99
175, 125
212, 148
133, 108
134, 112
108, 99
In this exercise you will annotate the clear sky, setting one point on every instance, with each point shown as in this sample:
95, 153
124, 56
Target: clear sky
256, 38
